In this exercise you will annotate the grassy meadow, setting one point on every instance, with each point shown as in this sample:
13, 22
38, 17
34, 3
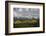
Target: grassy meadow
26, 23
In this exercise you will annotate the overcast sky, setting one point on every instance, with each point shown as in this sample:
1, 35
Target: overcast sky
26, 12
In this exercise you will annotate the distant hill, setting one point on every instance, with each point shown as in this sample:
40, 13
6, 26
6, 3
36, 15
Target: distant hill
23, 18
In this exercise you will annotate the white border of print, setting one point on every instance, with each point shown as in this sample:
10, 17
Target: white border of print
31, 29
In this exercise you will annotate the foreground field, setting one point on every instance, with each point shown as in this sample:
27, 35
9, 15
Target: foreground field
26, 23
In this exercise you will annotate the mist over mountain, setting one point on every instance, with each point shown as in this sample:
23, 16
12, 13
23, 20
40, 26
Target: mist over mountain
26, 13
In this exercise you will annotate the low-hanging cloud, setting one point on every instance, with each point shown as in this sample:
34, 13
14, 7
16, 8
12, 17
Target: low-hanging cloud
26, 12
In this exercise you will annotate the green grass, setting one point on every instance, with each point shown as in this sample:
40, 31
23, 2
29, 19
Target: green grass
26, 23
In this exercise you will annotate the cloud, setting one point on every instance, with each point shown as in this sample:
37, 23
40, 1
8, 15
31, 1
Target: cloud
26, 12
